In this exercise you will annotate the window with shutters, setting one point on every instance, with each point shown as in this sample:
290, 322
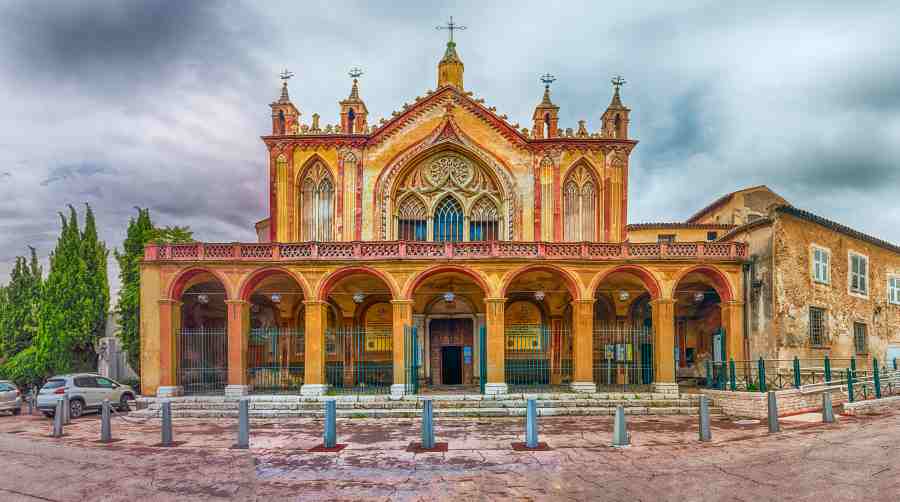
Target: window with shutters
894, 289
859, 274
821, 265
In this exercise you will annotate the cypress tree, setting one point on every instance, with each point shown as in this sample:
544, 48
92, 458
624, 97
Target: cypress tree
18, 306
140, 230
96, 283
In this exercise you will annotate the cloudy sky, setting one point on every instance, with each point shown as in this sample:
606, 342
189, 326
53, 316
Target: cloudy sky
160, 104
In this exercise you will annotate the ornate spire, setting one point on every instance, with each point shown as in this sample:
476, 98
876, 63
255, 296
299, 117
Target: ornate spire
285, 75
547, 79
354, 73
450, 69
617, 82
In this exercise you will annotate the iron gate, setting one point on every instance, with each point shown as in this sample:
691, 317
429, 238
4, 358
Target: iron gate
482, 358
359, 361
411, 358
537, 357
203, 360
623, 357
276, 360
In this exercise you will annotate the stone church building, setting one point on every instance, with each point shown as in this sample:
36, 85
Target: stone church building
448, 246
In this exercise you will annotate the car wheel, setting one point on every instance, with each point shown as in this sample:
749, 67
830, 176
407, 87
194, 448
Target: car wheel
17, 411
48, 414
123, 403
76, 408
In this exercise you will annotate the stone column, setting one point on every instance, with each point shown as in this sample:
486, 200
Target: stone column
314, 383
496, 346
238, 339
663, 311
733, 323
169, 326
583, 346
402, 318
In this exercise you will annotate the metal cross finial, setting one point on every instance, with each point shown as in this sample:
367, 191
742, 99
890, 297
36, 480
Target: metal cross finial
617, 82
285, 74
451, 26
355, 72
547, 79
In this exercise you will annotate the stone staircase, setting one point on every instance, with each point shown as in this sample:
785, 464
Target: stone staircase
452, 405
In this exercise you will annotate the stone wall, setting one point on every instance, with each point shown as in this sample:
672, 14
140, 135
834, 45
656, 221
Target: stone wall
873, 406
755, 404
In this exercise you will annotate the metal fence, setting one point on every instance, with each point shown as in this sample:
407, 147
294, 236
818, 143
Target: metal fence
623, 358
763, 375
203, 360
538, 358
276, 360
359, 361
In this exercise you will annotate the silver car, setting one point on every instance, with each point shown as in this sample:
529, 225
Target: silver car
86, 392
10, 397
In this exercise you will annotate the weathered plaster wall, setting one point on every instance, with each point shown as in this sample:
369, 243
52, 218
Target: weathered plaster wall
795, 291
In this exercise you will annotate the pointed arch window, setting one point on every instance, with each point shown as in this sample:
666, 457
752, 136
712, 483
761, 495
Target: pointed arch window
448, 221
317, 204
412, 220
484, 221
580, 205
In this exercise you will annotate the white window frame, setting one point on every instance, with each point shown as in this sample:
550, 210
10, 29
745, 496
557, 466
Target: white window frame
812, 263
893, 291
860, 294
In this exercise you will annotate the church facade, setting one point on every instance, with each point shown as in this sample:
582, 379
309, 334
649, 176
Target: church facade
446, 246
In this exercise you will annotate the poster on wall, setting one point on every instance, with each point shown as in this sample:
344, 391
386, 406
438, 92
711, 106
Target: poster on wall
467, 354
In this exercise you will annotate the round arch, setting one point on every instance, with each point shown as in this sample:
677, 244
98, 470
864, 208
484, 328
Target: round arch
571, 282
331, 280
183, 279
638, 271
718, 279
437, 269
257, 276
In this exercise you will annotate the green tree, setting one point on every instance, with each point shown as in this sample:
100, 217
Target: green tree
128, 308
95, 256
18, 306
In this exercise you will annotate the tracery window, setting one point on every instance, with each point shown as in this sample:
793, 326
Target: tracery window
448, 221
317, 204
580, 205
484, 221
412, 220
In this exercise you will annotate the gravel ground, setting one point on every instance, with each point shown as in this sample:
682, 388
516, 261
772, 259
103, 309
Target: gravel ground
854, 459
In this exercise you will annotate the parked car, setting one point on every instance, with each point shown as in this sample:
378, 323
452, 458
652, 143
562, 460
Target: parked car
10, 397
86, 392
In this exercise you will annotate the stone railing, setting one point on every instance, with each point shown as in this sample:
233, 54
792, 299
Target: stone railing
419, 250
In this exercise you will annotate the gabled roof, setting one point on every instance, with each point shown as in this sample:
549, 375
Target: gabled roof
721, 201
679, 224
837, 227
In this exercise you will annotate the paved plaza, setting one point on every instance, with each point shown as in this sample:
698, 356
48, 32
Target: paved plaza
854, 459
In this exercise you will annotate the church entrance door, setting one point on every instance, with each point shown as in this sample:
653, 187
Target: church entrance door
451, 365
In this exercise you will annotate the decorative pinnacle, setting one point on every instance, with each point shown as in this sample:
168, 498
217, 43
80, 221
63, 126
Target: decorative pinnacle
451, 26
285, 75
617, 82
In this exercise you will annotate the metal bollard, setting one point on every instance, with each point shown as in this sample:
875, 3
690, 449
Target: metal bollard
166, 423
58, 419
705, 433
773, 413
827, 409
243, 441
531, 425
105, 423
620, 431
427, 424
330, 438
66, 409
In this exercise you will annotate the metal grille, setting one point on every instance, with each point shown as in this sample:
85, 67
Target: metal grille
359, 361
860, 341
276, 357
203, 360
623, 357
537, 357
817, 326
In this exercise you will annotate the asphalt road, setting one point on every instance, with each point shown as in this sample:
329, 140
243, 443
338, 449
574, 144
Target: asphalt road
856, 459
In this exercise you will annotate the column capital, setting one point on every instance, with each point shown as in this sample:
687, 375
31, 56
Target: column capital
662, 301
314, 303
495, 300
402, 302
585, 301
236, 302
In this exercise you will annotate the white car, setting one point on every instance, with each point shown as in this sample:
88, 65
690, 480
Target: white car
86, 392
10, 397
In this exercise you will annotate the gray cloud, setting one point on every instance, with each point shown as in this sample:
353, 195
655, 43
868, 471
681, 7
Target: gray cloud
161, 104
